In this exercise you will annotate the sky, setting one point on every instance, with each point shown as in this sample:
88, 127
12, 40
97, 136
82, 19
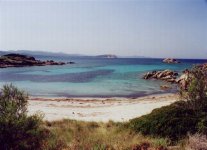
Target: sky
151, 28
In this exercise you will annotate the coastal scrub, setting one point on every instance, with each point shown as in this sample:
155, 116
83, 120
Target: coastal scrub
17, 130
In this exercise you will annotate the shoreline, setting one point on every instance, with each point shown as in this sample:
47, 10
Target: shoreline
98, 109
131, 96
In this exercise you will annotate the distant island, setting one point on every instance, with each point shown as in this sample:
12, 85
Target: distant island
18, 60
41, 53
107, 56
170, 61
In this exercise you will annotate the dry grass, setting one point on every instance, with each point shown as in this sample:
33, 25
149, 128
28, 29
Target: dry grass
79, 135
197, 142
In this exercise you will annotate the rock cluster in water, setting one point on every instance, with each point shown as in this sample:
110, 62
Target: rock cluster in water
166, 75
170, 61
172, 76
169, 76
18, 60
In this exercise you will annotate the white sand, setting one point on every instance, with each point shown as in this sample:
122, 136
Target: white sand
98, 109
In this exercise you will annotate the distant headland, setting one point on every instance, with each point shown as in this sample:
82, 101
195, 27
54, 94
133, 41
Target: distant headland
19, 60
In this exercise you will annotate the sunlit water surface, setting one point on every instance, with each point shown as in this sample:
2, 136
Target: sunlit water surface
91, 77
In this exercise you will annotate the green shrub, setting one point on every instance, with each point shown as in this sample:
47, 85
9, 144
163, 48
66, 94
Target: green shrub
17, 130
173, 121
196, 92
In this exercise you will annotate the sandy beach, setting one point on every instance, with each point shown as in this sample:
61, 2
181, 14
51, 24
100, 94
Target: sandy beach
98, 109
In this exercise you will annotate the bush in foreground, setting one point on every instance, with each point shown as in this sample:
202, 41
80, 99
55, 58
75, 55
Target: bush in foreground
173, 121
17, 130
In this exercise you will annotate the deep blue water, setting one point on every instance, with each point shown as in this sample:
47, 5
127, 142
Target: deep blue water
91, 77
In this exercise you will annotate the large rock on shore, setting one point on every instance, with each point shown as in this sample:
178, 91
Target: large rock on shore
170, 61
183, 80
17, 60
166, 75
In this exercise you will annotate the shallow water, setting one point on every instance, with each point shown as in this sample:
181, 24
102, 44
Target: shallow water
91, 77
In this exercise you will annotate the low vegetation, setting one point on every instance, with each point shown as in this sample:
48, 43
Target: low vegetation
173, 121
75, 135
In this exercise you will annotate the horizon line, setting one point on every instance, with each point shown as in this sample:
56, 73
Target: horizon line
85, 55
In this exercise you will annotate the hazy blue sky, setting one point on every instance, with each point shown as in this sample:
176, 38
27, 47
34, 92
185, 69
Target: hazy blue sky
155, 28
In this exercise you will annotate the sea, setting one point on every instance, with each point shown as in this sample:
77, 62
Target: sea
92, 77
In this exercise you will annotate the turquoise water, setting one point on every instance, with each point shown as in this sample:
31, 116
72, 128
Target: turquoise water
91, 77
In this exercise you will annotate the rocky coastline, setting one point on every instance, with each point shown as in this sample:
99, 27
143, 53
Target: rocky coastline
166, 75
18, 60
170, 77
173, 77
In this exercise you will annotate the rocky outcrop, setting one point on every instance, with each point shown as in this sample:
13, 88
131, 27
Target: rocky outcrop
171, 76
184, 79
166, 75
203, 67
187, 76
17, 60
170, 61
